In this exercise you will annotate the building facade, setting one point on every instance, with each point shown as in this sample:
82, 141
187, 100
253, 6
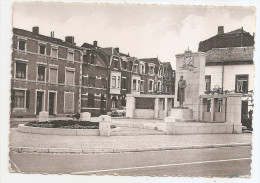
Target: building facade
46, 74
229, 64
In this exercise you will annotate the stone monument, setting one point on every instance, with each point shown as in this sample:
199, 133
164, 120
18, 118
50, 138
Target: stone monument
189, 117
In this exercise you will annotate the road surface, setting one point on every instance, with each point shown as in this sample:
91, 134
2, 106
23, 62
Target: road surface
217, 162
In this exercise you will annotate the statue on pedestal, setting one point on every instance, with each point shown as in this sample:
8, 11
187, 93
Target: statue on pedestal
181, 91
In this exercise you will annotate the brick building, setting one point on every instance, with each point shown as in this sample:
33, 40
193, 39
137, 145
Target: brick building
230, 65
236, 38
46, 74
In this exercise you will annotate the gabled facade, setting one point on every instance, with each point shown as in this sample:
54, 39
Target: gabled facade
95, 80
45, 74
168, 78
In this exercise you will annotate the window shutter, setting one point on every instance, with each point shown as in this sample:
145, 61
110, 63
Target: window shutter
12, 98
27, 99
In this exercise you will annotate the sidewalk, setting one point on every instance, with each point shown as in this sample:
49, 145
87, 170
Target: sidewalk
23, 142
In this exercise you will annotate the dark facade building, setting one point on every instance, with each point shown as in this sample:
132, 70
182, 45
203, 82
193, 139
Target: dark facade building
236, 38
46, 74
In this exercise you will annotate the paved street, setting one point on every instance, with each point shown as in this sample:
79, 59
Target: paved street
219, 162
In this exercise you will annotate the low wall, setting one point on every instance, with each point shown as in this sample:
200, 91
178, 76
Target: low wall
58, 131
144, 113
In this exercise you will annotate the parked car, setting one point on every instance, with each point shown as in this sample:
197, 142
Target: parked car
120, 112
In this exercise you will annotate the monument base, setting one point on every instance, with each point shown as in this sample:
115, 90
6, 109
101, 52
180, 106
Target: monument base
180, 122
182, 128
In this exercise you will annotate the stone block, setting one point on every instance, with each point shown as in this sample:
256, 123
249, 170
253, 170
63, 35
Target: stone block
230, 117
85, 116
88, 132
104, 118
238, 128
204, 129
59, 131
44, 131
43, 116
25, 129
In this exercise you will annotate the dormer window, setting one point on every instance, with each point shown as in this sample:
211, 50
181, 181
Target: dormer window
135, 68
42, 49
142, 69
151, 69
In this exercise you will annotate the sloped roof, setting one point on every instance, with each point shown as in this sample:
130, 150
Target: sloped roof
233, 54
237, 31
151, 60
167, 64
41, 37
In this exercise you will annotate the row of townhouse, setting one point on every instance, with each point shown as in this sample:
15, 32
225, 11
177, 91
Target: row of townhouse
108, 75
49, 74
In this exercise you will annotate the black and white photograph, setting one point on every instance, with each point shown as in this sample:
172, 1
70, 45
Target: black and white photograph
127, 89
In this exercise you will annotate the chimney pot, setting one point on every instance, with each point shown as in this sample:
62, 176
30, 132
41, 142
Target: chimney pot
35, 30
117, 49
220, 29
95, 43
69, 39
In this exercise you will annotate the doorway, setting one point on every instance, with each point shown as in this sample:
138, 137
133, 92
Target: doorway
52, 103
39, 102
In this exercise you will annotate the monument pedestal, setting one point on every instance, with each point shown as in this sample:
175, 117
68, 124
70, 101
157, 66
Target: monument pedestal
180, 122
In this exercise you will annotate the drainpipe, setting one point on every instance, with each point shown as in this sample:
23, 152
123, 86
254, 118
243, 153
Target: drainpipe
222, 83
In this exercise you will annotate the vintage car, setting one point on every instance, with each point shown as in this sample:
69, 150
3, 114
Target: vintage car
121, 111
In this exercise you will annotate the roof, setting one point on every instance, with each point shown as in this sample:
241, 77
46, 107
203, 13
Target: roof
151, 60
41, 37
233, 54
87, 45
167, 64
237, 31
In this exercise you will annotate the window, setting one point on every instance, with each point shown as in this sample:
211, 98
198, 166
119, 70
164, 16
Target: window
22, 44
92, 58
123, 64
142, 69
20, 70
135, 68
53, 78
115, 63
114, 102
69, 102
150, 85
90, 100
69, 80
103, 83
54, 52
123, 83
242, 83
41, 73
118, 82
141, 85
42, 48
113, 81
71, 55
134, 84
208, 82
19, 98
159, 86
138, 87
91, 81
151, 69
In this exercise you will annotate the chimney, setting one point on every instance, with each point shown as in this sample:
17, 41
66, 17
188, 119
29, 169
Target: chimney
117, 49
69, 39
95, 43
35, 30
52, 34
220, 29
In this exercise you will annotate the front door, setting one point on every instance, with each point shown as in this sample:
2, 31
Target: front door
51, 102
39, 102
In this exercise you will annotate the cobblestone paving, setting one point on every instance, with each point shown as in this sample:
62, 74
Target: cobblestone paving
18, 139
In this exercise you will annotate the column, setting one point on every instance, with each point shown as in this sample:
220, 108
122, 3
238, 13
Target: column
212, 111
156, 108
165, 107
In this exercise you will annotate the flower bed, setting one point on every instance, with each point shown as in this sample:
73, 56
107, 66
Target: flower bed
69, 124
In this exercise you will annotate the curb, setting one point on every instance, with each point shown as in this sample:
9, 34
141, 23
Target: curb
110, 150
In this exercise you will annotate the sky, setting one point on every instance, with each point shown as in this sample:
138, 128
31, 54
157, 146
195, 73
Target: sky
143, 31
